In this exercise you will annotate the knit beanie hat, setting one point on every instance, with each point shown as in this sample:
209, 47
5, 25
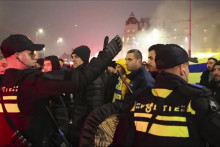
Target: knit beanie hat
83, 52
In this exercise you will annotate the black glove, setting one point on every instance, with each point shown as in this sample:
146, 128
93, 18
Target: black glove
114, 46
105, 41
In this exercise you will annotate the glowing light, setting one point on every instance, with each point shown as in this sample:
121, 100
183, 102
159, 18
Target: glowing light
205, 55
155, 34
59, 40
40, 30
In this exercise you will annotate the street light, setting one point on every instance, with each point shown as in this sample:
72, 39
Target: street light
38, 32
59, 42
40, 54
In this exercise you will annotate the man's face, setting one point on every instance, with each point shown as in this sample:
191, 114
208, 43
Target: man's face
216, 73
47, 66
131, 62
3, 66
151, 61
120, 69
27, 57
210, 64
77, 61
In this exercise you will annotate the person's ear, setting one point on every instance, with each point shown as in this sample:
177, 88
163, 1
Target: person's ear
182, 69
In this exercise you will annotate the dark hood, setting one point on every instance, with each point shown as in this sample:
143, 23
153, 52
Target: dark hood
54, 61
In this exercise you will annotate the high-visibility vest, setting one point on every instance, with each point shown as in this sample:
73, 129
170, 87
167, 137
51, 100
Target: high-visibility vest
171, 123
10, 100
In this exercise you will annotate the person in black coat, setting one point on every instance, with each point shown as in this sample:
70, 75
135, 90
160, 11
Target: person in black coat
207, 76
86, 99
214, 85
27, 86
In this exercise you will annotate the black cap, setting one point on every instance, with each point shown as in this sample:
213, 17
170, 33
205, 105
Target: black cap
18, 43
172, 55
216, 63
83, 52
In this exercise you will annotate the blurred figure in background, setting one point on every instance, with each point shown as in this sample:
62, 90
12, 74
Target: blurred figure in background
207, 75
214, 85
51, 63
39, 64
62, 64
3, 64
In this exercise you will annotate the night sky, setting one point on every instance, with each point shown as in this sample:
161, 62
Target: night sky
88, 22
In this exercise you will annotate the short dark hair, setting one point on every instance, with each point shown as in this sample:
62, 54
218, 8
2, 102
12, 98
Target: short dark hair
211, 58
156, 48
60, 59
136, 52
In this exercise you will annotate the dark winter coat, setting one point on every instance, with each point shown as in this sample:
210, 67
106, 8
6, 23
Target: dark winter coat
83, 103
205, 78
140, 79
215, 87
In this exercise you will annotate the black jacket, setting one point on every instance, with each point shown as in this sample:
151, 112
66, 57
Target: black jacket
205, 78
83, 103
140, 79
34, 86
215, 87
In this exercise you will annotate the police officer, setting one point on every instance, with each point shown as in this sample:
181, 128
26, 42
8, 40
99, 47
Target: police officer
173, 113
22, 89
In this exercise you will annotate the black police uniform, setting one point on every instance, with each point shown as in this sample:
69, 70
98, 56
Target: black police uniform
174, 114
22, 91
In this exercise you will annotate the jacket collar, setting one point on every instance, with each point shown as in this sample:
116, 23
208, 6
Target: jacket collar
133, 74
168, 81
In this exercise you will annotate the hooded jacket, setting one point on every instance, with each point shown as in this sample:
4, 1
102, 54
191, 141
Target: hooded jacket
120, 88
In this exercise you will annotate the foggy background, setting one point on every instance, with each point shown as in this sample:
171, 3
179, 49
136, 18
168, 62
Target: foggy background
88, 22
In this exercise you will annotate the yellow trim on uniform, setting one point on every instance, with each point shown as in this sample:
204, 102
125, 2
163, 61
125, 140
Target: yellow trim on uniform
169, 131
189, 109
133, 108
141, 126
161, 92
12, 108
146, 115
171, 118
1, 109
9, 97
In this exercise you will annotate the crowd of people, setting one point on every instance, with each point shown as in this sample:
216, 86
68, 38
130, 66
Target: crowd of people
45, 103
